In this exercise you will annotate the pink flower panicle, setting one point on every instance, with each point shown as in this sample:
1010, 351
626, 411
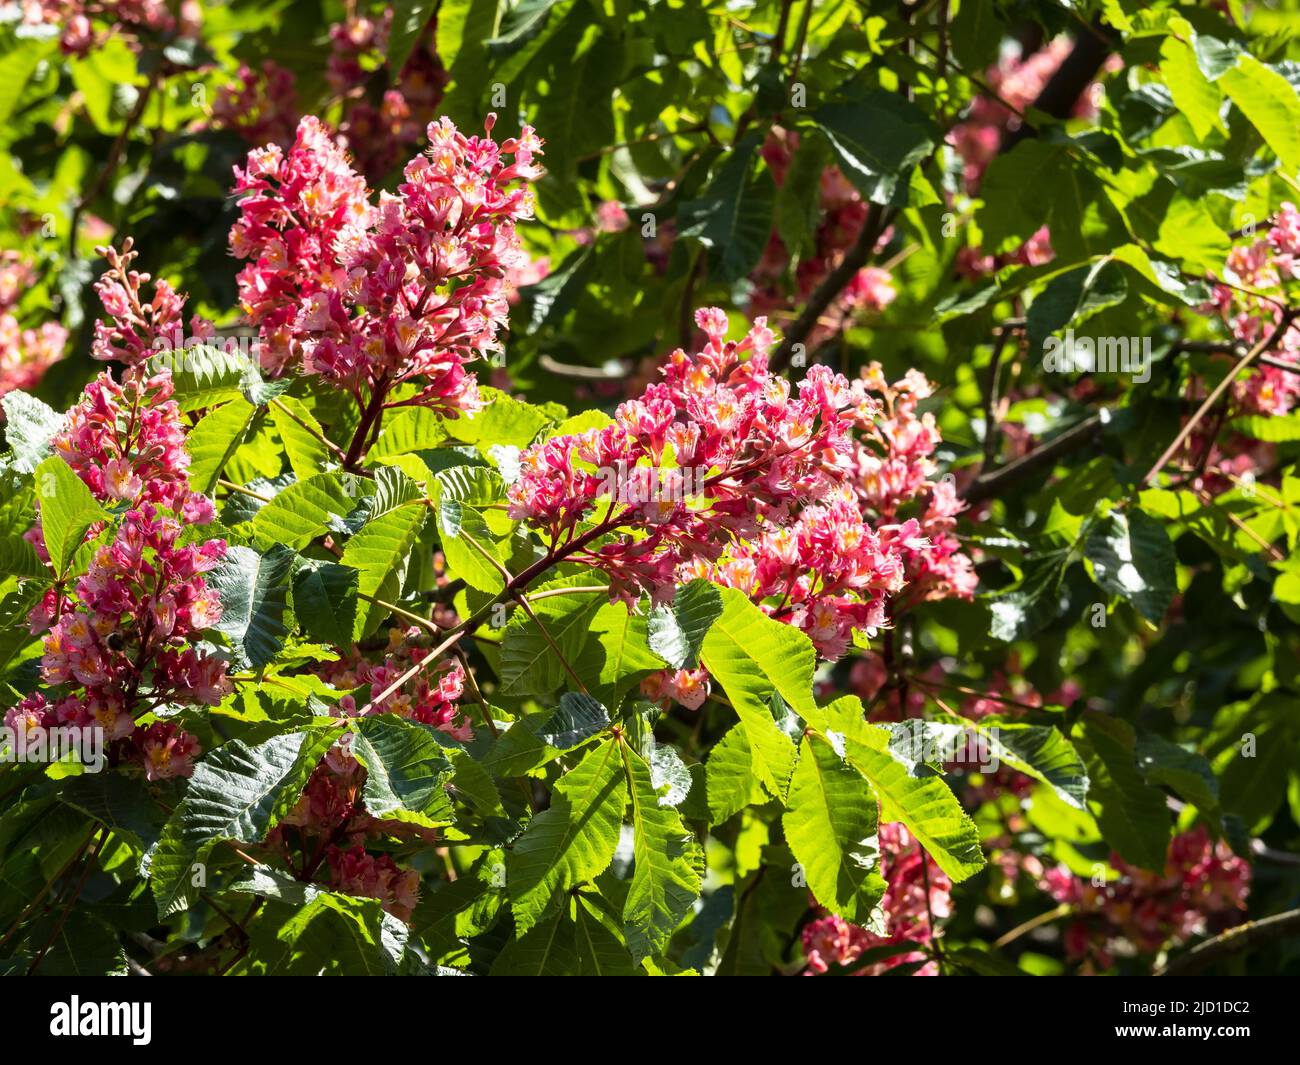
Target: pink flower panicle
772, 510
1267, 265
374, 296
128, 18
262, 105
831, 940
356, 872
431, 696
139, 328
330, 817
895, 474
843, 212
1203, 889
126, 628
25, 354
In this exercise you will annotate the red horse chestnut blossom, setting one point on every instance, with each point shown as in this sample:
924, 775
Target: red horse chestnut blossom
913, 897
1203, 888
120, 641
766, 502
375, 297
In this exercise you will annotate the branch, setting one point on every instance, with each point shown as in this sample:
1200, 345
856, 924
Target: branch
1234, 940
835, 282
1072, 77
110, 163
1284, 324
1045, 455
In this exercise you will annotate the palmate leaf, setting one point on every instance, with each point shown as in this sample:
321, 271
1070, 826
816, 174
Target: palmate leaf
303, 511
676, 631
333, 934
381, 550
67, 510
668, 865
1132, 814
830, 824
617, 656
325, 601
254, 593
19, 559
927, 806
407, 770
204, 375
30, 427
301, 436
215, 440
923, 803
1040, 751
529, 664
877, 139
576, 940
733, 216
750, 655
573, 840
238, 792
729, 775
1131, 556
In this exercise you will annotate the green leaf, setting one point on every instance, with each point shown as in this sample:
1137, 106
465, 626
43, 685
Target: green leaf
877, 139
729, 775
1270, 104
668, 865
254, 592
409, 20
67, 510
830, 824
976, 34
1195, 96
213, 442
927, 806
529, 665
380, 553
30, 429
578, 718
732, 217
573, 840
1038, 751
16, 68
19, 559
547, 949
1132, 815
1073, 297
407, 770
238, 792
922, 802
339, 934
325, 601
303, 511
750, 655
616, 657
1131, 556
469, 546
1272, 428
600, 950
204, 375
408, 430
676, 631
1187, 773
301, 435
